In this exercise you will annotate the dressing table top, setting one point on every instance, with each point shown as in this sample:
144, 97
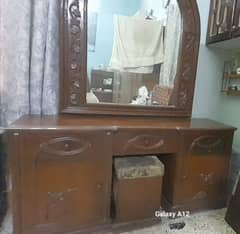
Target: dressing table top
99, 122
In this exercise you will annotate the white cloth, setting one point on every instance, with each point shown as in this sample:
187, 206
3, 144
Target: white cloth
137, 45
92, 98
171, 46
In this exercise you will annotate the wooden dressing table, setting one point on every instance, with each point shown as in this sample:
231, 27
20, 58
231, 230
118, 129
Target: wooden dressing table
61, 166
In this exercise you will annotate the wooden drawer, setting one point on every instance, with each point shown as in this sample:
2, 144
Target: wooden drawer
142, 142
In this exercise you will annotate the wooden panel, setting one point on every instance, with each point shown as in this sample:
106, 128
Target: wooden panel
202, 169
133, 201
65, 180
129, 142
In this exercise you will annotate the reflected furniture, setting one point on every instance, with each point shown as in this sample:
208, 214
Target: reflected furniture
102, 84
61, 166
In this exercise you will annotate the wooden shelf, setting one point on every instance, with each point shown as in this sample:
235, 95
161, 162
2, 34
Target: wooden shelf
232, 92
232, 76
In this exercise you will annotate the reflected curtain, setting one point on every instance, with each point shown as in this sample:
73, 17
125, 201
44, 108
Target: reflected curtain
29, 58
172, 43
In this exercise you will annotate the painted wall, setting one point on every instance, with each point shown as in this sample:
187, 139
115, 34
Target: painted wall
209, 102
209, 72
157, 6
104, 36
230, 114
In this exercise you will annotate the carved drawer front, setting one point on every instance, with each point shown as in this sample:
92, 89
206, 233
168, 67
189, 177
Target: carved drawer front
64, 148
128, 142
207, 144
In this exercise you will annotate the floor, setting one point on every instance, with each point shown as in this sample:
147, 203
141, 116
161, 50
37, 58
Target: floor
211, 222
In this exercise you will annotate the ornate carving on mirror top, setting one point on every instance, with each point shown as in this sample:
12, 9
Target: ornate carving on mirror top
187, 72
75, 55
71, 52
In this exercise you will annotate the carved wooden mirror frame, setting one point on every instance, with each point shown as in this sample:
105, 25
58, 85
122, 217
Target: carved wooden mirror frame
73, 62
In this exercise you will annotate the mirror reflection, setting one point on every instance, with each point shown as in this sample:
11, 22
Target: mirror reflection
133, 48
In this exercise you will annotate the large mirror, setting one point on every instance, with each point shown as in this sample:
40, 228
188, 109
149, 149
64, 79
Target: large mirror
128, 57
133, 51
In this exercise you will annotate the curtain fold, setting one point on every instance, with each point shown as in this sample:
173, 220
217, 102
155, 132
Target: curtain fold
29, 64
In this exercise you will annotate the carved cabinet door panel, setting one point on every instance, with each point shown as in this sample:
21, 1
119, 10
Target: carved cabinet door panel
220, 20
236, 20
65, 180
203, 171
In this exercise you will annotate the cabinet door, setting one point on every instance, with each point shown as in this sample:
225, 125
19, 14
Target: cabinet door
220, 20
236, 20
65, 180
203, 170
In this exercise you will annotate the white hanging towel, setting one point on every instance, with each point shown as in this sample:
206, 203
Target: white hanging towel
138, 44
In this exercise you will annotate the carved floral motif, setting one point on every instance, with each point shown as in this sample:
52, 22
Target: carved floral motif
188, 70
75, 55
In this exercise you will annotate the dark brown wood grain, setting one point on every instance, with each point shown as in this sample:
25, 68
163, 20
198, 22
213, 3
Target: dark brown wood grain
196, 178
73, 122
58, 161
59, 192
73, 60
133, 201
